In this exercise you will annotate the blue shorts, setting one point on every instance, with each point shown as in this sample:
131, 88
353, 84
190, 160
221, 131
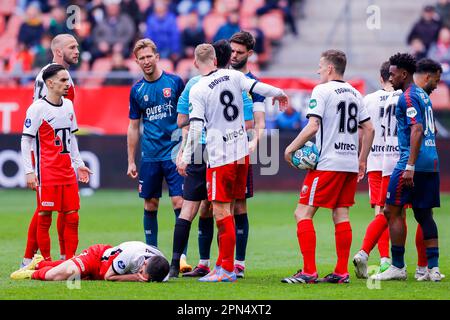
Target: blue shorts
151, 176
423, 195
194, 186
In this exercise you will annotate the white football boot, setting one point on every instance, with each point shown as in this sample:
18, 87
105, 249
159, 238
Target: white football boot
392, 273
360, 262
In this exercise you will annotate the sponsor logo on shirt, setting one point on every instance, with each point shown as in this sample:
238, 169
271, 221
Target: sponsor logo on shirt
160, 111
430, 143
345, 146
167, 92
47, 204
411, 112
190, 107
27, 122
312, 103
377, 148
236, 134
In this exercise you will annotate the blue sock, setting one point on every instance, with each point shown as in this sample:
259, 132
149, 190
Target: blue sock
151, 227
205, 236
433, 257
241, 221
177, 214
398, 256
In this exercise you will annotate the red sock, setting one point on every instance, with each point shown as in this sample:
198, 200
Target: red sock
32, 244
60, 225
373, 233
306, 236
219, 257
227, 242
45, 264
383, 244
40, 274
71, 233
343, 235
422, 260
43, 236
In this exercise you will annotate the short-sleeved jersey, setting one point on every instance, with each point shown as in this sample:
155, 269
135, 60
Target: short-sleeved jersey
391, 152
216, 99
40, 88
52, 126
374, 103
128, 257
340, 108
183, 103
155, 102
414, 106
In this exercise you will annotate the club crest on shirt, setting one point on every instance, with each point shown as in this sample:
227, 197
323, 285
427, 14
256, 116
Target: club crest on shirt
121, 264
305, 189
27, 122
146, 98
167, 92
411, 112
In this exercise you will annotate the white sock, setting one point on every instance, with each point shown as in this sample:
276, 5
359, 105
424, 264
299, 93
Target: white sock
364, 254
241, 263
26, 261
205, 262
183, 257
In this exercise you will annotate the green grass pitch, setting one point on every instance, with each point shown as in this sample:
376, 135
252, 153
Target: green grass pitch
116, 216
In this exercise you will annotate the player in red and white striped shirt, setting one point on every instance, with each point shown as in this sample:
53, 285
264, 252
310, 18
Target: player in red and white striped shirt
49, 130
65, 52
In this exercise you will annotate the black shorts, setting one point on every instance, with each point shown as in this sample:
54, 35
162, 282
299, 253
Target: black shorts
194, 185
249, 189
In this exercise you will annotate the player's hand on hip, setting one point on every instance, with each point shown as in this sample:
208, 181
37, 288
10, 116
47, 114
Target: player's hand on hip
182, 168
83, 174
132, 172
408, 177
32, 181
283, 101
362, 170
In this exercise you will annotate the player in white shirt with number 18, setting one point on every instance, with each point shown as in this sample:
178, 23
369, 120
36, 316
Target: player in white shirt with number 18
335, 111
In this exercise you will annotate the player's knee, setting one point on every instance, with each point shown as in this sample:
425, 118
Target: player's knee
387, 213
177, 202
240, 207
425, 218
151, 204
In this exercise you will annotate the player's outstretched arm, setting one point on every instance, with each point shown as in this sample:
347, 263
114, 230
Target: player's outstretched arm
132, 141
305, 135
367, 133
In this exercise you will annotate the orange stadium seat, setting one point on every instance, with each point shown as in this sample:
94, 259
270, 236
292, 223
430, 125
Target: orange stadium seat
7, 7
211, 23
272, 24
441, 97
99, 69
166, 65
13, 26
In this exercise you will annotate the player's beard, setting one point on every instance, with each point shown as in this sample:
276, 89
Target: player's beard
240, 64
69, 60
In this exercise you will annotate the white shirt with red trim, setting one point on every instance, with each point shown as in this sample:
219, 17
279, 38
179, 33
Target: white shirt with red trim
41, 90
374, 102
52, 126
391, 153
341, 109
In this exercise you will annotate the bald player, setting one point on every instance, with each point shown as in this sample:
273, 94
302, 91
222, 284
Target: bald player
65, 52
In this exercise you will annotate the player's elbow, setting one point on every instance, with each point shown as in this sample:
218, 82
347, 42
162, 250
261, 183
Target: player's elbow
182, 120
417, 129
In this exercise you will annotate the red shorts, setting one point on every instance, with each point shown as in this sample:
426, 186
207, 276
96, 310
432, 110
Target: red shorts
90, 263
384, 187
228, 182
374, 178
329, 189
61, 198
